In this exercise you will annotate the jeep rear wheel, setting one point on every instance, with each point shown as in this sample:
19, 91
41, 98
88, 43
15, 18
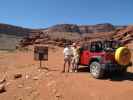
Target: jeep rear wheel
96, 70
122, 71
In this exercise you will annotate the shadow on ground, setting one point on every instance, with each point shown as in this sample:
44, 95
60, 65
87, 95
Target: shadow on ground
118, 77
83, 69
111, 76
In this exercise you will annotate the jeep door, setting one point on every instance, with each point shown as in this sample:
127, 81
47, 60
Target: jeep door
85, 56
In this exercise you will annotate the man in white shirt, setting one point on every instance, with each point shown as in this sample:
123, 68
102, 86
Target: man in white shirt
67, 57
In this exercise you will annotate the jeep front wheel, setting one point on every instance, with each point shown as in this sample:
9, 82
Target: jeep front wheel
96, 70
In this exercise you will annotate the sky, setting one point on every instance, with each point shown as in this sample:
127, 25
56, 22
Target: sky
45, 13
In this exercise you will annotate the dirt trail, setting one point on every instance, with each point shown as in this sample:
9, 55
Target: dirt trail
51, 84
77, 86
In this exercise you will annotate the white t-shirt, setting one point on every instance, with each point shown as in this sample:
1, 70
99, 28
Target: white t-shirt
67, 51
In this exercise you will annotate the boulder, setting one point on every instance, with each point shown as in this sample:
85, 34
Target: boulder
2, 80
2, 88
17, 75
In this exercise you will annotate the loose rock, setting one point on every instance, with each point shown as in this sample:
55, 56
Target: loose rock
2, 88
35, 78
2, 81
27, 76
58, 95
8, 83
54, 91
51, 83
20, 86
18, 75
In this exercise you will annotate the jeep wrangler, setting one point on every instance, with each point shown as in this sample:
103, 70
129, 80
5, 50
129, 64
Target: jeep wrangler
105, 56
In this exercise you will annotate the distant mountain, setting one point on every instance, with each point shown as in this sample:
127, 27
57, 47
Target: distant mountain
81, 29
13, 30
10, 36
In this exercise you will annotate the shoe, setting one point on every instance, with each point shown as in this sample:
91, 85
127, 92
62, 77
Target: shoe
63, 71
71, 71
76, 71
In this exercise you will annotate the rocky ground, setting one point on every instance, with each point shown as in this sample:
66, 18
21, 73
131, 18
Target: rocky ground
22, 79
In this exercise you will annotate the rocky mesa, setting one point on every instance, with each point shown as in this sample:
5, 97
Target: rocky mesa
11, 35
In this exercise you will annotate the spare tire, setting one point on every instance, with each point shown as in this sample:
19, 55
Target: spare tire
123, 56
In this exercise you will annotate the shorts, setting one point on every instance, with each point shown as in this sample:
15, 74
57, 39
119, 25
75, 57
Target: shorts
75, 60
68, 58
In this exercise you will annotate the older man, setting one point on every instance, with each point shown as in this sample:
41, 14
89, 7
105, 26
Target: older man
75, 59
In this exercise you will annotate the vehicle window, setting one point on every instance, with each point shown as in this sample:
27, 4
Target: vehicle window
96, 47
111, 44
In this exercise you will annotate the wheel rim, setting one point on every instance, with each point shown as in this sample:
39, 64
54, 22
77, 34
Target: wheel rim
94, 70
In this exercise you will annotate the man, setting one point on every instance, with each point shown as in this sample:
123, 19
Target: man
67, 57
75, 59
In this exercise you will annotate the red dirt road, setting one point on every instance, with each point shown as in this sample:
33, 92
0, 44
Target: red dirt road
37, 84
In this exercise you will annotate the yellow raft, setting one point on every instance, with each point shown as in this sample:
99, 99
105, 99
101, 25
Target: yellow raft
123, 56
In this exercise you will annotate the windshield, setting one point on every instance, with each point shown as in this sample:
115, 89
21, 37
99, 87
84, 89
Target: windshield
96, 47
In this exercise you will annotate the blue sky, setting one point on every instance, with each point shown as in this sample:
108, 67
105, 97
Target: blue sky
44, 13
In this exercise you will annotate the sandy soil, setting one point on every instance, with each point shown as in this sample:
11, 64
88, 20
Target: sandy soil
51, 84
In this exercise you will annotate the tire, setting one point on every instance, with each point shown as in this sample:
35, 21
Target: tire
123, 56
96, 70
122, 71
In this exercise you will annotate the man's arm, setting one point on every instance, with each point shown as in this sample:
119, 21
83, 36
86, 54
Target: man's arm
64, 50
